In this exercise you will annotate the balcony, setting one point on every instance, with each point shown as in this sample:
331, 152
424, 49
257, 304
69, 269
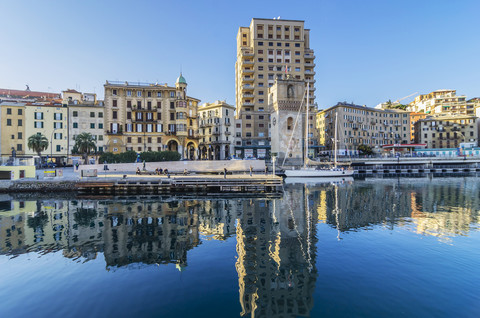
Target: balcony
247, 79
227, 124
228, 133
118, 132
309, 56
309, 64
216, 133
248, 87
248, 53
248, 96
247, 104
310, 81
310, 72
248, 70
247, 62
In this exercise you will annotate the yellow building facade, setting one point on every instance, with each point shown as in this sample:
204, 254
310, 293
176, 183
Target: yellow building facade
151, 117
12, 129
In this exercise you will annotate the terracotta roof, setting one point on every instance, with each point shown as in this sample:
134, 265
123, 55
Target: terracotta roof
25, 94
71, 91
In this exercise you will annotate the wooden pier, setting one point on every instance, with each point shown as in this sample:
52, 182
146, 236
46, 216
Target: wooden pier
200, 184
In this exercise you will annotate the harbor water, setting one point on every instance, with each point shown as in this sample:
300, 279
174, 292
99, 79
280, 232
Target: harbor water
367, 248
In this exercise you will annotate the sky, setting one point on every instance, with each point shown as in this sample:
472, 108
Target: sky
367, 51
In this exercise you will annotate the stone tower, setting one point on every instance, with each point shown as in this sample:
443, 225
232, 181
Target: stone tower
287, 119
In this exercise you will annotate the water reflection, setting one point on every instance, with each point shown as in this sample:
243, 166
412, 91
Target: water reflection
276, 239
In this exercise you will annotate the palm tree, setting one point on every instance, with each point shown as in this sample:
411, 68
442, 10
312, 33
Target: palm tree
38, 143
85, 143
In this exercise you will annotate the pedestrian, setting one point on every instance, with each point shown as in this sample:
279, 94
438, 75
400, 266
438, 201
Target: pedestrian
144, 167
266, 169
76, 165
105, 166
251, 170
185, 172
138, 170
224, 173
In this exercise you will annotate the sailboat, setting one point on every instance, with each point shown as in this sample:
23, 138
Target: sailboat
313, 172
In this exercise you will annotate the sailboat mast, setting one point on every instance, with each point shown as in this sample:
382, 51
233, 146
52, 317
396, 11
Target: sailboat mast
305, 146
335, 141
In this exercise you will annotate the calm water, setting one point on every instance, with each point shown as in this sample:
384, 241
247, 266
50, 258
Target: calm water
374, 248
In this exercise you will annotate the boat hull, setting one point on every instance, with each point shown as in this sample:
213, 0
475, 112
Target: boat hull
312, 173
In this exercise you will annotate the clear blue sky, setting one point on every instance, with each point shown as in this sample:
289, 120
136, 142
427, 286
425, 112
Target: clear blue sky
368, 51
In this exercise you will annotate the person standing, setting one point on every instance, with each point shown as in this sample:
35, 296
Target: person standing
224, 173
251, 170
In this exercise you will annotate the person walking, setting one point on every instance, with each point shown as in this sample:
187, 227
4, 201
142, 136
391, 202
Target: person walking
224, 173
251, 170
266, 169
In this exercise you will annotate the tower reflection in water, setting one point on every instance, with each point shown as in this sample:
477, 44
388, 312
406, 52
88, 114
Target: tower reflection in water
276, 246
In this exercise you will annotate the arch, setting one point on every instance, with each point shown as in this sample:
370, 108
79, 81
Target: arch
227, 151
190, 151
172, 145
217, 152
289, 123
204, 153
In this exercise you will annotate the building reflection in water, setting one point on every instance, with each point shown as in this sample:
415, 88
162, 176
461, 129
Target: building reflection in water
276, 246
276, 238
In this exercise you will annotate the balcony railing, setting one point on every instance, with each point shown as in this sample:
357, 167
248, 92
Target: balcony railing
115, 132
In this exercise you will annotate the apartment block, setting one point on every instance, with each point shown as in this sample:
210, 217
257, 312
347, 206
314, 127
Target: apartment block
50, 120
267, 50
12, 128
151, 117
446, 130
85, 114
216, 130
357, 125
440, 102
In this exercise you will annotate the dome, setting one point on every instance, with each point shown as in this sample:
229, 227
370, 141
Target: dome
181, 80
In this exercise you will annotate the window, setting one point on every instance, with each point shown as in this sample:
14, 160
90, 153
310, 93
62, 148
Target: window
37, 124
172, 116
9, 122
159, 129
92, 125
100, 126
9, 111
19, 147
58, 149
159, 116
270, 43
20, 122
248, 134
114, 92
279, 44
100, 137
260, 51
129, 93
149, 94
129, 128
260, 43
129, 115
260, 68
74, 114
114, 114
139, 93
159, 94
20, 136
149, 105
139, 129
57, 116
114, 103
13, 137
57, 136
139, 104
297, 44
100, 115
159, 104
92, 114
172, 94
75, 125
172, 105
297, 69
39, 116
129, 103
57, 125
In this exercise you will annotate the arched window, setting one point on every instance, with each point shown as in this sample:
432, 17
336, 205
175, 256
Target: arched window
289, 123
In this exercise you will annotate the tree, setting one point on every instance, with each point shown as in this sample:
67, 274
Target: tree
85, 143
38, 143
365, 150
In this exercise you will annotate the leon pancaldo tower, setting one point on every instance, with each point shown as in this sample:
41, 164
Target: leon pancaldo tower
287, 119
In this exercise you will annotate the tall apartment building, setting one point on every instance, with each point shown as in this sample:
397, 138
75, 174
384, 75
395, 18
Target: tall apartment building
442, 101
268, 49
151, 117
216, 128
357, 125
85, 114
446, 130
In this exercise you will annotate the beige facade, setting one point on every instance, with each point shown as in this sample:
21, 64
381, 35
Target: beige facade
216, 130
446, 130
151, 117
268, 49
12, 128
50, 120
85, 114
359, 125
442, 101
